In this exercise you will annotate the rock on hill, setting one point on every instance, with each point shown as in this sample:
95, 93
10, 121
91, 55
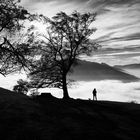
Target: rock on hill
49, 118
91, 71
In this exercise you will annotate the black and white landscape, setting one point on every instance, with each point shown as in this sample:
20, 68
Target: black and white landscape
69, 69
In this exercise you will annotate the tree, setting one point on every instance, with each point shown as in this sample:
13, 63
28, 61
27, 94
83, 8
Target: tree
11, 17
21, 87
66, 38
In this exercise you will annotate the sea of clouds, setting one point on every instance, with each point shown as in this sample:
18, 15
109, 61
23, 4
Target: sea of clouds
106, 90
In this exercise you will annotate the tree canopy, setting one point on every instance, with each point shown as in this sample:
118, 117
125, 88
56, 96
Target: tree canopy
21, 87
11, 17
65, 39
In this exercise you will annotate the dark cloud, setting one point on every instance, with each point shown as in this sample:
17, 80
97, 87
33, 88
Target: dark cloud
114, 2
131, 37
119, 26
132, 48
59, 1
136, 88
129, 55
92, 3
135, 36
101, 6
97, 2
105, 38
108, 39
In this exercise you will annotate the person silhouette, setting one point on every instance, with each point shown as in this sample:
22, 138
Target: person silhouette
94, 94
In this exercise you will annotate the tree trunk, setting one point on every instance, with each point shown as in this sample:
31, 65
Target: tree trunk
65, 89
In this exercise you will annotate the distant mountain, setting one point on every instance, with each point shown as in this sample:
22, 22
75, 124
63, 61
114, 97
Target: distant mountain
92, 71
133, 69
130, 66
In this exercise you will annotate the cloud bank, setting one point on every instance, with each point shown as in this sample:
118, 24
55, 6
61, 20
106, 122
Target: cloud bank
106, 90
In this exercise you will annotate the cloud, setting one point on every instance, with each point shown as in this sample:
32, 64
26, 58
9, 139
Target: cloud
135, 36
120, 36
9, 81
101, 6
109, 39
58, 2
92, 2
115, 56
104, 38
104, 3
117, 22
106, 90
120, 25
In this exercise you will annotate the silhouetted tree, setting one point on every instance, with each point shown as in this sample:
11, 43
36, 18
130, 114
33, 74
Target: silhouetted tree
21, 87
11, 17
66, 38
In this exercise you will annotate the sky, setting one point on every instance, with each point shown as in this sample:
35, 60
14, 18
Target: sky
117, 23
118, 32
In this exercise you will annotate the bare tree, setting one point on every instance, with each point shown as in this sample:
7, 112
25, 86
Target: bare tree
66, 38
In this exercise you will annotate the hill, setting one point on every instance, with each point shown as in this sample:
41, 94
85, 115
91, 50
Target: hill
49, 118
91, 71
19, 116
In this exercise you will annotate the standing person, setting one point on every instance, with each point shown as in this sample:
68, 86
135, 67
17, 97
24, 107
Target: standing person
94, 94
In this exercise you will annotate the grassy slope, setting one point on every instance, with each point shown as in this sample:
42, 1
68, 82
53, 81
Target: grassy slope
48, 118
19, 116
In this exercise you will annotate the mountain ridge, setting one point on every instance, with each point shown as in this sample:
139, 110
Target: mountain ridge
92, 71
